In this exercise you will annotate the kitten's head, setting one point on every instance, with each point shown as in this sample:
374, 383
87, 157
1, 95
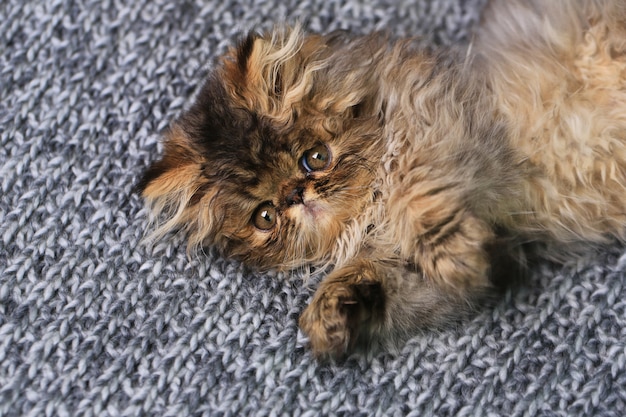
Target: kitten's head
278, 153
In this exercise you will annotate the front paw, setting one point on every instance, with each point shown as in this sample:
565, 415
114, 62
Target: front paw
341, 312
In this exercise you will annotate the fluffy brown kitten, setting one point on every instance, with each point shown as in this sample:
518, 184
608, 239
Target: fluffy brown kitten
412, 171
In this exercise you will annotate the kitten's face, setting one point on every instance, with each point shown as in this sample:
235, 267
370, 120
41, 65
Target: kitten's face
274, 159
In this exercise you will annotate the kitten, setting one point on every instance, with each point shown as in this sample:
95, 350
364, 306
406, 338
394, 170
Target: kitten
416, 172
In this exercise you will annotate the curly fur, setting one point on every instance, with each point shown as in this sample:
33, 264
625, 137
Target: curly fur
445, 162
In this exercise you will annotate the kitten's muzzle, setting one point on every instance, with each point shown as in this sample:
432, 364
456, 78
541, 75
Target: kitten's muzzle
296, 196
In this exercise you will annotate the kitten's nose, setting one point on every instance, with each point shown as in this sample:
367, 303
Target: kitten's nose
296, 196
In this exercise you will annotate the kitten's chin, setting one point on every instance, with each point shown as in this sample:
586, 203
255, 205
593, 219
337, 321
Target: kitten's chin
317, 229
313, 218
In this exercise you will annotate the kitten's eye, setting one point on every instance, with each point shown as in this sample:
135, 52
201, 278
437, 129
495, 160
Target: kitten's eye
316, 158
264, 217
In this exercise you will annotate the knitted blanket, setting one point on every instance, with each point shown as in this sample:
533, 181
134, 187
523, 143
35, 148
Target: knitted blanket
94, 322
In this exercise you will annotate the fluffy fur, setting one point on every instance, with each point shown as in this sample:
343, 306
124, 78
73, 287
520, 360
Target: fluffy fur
417, 173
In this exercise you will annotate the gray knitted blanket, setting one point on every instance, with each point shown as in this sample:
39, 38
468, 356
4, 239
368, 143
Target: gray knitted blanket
93, 322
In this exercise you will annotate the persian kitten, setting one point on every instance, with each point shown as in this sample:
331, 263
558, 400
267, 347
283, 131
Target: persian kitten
417, 173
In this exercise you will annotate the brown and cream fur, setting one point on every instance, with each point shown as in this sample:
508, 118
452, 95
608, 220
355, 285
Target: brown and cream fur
441, 164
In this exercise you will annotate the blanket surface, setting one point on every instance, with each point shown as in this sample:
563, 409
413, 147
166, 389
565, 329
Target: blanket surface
93, 322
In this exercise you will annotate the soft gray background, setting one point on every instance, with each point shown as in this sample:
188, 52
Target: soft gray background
93, 322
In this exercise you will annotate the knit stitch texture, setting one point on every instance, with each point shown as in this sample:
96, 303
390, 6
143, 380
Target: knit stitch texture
94, 322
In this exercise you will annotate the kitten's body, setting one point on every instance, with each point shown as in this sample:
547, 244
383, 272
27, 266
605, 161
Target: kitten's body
434, 165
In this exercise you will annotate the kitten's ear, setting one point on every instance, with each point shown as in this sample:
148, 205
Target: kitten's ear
174, 186
176, 171
269, 73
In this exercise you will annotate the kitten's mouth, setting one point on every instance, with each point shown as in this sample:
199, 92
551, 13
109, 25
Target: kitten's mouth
309, 208
312, 208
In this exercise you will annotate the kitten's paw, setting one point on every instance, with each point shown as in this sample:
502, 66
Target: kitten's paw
339, 314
